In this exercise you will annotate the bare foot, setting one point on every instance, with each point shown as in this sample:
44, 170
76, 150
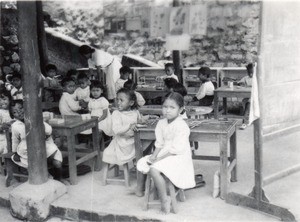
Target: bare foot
166, 206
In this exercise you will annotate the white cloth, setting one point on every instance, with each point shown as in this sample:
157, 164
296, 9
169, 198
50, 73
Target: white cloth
83, 94
5, 118
246, 80
206, 89
142, 165
254, 102
121, 149
96, 107
120, 84
19, 142
110, 65
16, 93
140, 99
68, 105
174, 138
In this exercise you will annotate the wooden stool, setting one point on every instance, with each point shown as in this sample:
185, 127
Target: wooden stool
150, 189
126, 179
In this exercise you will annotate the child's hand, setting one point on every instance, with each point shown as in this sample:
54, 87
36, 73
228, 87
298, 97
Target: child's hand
83, 104
133, 127
151, 159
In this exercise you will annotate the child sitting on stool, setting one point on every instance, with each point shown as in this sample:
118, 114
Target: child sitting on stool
205, 95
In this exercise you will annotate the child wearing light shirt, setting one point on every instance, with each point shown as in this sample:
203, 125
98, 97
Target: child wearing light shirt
169, 69
247, 82
83, 91
125, 73
67, 103
205, 95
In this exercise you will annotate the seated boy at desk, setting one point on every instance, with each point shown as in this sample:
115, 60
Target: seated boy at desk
205, 95
51, 82
169, 69
247, 82
125, 73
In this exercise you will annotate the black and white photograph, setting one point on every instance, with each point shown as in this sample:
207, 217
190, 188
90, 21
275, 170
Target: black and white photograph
149, 110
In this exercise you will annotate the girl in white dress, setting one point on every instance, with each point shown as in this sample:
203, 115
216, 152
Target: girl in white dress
98, 106
172, 156
5, 119
121, 149
19, 145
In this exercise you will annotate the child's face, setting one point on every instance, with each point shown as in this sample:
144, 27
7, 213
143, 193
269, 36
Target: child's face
96, 92
4, 102
202, 77
83, 83
16, 82
51, 73
18, 111
169, 70
123, 102
125, 75
70, 87
171, 109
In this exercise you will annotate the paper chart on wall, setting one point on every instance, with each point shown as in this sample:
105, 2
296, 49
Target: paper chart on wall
198, 20
159, 21
179, 20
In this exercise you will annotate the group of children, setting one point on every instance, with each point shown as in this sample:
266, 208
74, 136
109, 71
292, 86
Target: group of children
172, 156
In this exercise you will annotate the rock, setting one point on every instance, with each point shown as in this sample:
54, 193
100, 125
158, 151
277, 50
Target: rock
32, 202
12, 39
15, 67
7, 70
1, 48
15, 57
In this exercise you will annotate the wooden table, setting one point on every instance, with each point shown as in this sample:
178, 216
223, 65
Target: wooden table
208, 131
151, 93
225, 92
72, 126
192, 111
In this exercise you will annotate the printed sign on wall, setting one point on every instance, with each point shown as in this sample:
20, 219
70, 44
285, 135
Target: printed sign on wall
159, 21
179, 20
198, 20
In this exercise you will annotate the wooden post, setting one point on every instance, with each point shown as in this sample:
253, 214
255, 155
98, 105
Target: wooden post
31, 78
42, 43
177, 54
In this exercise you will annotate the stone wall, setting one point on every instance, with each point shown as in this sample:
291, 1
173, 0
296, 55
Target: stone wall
9, 60
231, 38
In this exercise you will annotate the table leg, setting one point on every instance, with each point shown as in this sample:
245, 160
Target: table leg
216, 105
223, 166
138, 155
96, 147
225, 105
233, 156
72, 158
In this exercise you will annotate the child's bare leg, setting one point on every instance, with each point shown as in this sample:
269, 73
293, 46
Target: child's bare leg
58, 169
105, 171
160, 184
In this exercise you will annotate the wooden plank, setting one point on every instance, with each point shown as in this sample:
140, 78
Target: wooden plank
86, 157
96, 148
223, 166
268, 208
279, 175
233, 157
72, 158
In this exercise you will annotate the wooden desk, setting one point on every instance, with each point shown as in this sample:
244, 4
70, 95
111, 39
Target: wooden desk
192, 111
208, 131
72, 126
224, 92
149, 93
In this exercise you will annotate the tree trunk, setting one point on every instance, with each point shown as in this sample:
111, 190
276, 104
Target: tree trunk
31, 79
